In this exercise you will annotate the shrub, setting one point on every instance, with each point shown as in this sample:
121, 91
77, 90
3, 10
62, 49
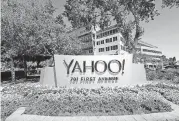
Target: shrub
170, 74
102, 101
176, 80
170, 92
150, 75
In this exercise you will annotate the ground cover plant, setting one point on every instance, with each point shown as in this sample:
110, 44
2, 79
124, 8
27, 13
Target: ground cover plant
62, 102
169, 92
167, 74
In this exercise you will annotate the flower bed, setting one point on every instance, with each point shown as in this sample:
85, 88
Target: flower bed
169, 92
63, 102
168, 74
103, 101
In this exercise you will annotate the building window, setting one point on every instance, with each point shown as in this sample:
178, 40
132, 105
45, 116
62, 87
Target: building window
101, 49
110, 39
103, 34
93, 43
98, 43
107, 40
107, 48
114, 31
115, 47
110, 31
153, 51
114, 39
102, 42
107, 33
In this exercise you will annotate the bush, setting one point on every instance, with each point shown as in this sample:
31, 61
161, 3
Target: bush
170, 74
170, 92
176, 80
102, 101
150, 75
61, 101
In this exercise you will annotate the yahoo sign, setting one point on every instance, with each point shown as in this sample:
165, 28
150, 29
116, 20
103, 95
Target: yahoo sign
93, 71
94, 66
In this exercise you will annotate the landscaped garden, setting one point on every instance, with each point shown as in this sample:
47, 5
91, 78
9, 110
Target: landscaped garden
102, 101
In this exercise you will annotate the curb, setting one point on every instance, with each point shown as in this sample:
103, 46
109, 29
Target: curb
164, 116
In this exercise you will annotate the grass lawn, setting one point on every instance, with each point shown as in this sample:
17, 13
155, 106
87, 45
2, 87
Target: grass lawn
103, 101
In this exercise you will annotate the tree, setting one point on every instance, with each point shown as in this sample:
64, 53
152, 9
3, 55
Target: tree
83, 12
127, 14
170, 3
29, 29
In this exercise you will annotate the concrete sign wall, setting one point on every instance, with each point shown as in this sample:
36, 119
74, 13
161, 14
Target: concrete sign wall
94, 71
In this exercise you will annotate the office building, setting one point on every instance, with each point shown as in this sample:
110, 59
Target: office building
110, 42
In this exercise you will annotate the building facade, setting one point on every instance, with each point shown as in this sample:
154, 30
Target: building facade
101, 42
110, 42
86, 35
150, 55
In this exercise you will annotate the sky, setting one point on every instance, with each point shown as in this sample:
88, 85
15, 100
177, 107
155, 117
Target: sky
162, 32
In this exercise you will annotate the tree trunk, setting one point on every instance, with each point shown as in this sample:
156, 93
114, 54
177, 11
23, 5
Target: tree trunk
25, 68
13, 77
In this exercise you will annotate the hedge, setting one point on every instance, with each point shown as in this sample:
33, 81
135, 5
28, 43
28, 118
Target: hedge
61, 101
170, 74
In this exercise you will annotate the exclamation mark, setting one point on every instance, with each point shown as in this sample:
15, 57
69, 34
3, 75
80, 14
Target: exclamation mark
123, 63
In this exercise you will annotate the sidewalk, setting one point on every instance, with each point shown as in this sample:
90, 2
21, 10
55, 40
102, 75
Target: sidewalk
166, 116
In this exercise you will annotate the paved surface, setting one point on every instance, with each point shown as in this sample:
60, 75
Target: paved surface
165, 116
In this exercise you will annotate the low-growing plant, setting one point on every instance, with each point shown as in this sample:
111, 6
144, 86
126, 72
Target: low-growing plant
169, 74
78, 101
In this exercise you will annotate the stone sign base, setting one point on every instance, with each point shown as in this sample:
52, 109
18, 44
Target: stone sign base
136, 76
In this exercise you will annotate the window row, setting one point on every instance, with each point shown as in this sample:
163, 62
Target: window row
115, 47
107, 40
153, 51
101, 49
107, 33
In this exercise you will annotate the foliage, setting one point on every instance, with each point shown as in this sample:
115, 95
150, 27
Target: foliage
170, 92
29, 29
170, 3
170, 74
62, 101
21, 26
127, 14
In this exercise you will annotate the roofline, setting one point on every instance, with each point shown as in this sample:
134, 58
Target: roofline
105, 29
147, 44
108, 28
